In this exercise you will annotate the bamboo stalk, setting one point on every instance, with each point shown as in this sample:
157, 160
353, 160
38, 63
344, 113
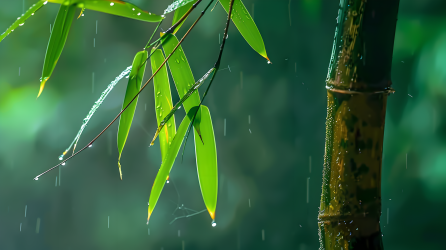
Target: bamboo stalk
358, 83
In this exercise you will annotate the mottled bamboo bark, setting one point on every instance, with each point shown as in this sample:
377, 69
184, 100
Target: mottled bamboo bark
358, 84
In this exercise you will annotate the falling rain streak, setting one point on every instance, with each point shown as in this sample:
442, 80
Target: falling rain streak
249, 119
289, 11
148, 231
406, 160
263, 234
20, 227
241, 79
249, 202
179, 233
94, 42
310, 164
108, 222
96, 27
224, 127
26, 207
38, 226
56, 182
308, 190
387, 216
19, 71
182, 244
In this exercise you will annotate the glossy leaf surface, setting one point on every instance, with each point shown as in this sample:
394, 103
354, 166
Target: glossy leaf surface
167, 164
163, 100
181, 72
134, 85
246, 26
206, 155
193, 89
58, 37
114, 7
180, 12
21, 20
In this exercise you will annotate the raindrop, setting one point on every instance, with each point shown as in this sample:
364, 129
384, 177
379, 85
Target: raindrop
214, 224
63, 163
91, 145
178, 61
36, 178
111, 4
269, 62
139, 14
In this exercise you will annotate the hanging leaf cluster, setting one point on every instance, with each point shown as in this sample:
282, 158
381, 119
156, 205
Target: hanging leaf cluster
166, 55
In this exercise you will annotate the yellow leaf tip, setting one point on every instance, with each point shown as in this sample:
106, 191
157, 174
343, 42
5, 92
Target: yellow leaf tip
212, 214
42, 85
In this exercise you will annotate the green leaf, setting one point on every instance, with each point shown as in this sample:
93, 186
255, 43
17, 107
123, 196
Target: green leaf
206, 154
93, 109
175, 108
163, 100
246, 26
181, 72
133, 87
58, 37
167, 164
21, 20
180, 12
114, 7
176, 5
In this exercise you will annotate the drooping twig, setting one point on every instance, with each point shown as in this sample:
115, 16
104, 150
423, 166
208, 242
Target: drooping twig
119, 114
216, 67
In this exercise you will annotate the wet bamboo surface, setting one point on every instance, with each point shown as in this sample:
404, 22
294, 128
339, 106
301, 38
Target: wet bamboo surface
358, 84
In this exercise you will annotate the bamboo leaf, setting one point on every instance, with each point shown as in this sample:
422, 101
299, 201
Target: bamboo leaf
114, 7
21, 20
181, 72
177, 4
133, 87
246, 26
180, 102
206, 155
180, 12
166, 165
58, 37
94, 108
163, 100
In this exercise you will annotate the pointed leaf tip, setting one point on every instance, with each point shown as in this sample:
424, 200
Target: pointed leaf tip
42, 85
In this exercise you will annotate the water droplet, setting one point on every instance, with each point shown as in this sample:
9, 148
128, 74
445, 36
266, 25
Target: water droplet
176, 60
60, 158
111, 4
269, 62
63, 163
139, 14
158, 106
182, 58
214, 224
36, 178
91, 145
161, 113
167, 181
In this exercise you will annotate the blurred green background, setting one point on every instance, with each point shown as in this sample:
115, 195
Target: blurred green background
264, 164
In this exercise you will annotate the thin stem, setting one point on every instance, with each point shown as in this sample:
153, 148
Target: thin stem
216, 67
153, 34
159, 68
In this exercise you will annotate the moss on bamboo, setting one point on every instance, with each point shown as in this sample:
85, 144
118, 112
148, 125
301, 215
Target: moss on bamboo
358, 83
